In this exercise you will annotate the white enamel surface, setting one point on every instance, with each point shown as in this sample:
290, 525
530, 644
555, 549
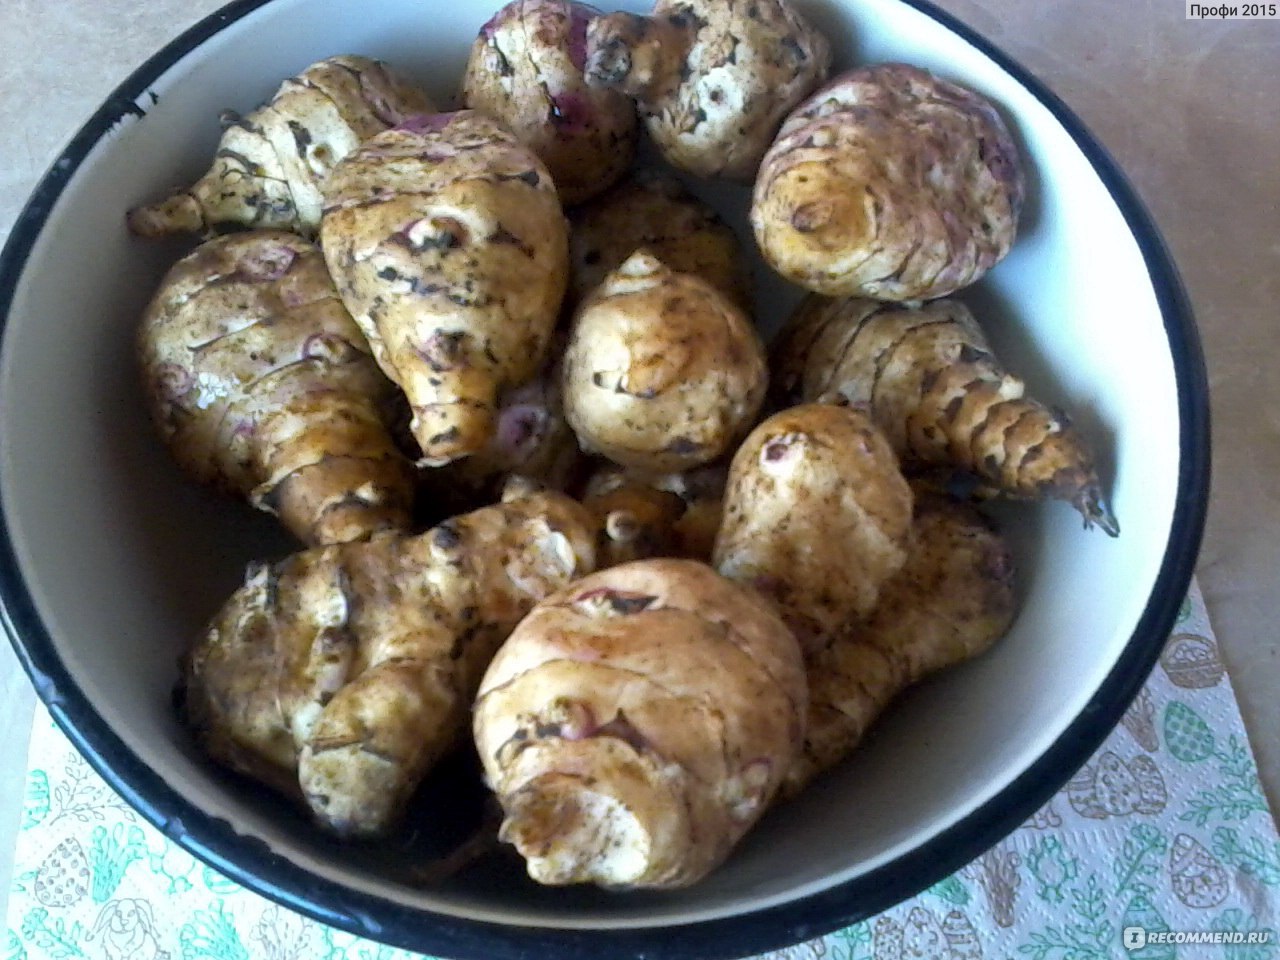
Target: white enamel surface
126, 561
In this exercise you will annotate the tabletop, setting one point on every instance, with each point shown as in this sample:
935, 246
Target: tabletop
1189, 108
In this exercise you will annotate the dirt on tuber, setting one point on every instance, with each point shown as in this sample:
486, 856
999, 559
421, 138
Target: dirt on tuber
525, 71
655, 212
662, 373
713, 78
449, 247
952, 600
341, 674
638, 722
260, 383
271, 164
817, 516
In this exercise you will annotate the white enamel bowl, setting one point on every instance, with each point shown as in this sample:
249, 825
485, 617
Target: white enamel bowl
110, 562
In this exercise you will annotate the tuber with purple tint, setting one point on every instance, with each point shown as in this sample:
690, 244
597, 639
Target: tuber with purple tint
261, 383
713, 79
449, 247
889, 183
525, 71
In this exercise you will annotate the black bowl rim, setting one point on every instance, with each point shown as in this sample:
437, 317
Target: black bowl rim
250, 861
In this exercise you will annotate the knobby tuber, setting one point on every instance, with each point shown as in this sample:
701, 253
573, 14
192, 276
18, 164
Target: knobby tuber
817, 516
450, 249
638, 722
271, 164
656, 212
260, 383
712, 78
952, 599
642, 516
525, 71
940, 395
341, 674
662, 372
890, 183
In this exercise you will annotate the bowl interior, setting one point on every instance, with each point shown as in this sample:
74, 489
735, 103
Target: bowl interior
125, 561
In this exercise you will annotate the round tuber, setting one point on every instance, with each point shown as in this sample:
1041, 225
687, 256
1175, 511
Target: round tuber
525, 71
662, 372
638, 722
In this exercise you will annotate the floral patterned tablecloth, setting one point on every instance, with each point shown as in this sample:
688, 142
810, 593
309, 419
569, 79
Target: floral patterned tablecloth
1166, 830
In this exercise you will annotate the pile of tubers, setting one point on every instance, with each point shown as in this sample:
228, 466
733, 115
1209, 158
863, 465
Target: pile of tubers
553, 487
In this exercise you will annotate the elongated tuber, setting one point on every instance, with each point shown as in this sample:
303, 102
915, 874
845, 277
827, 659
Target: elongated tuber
712, 78
638, 722
655, 212
449, 247
663, 372
889, 182
817, 516
952, 599
271, 163
941, 396
525, 71
261, 384
341, 674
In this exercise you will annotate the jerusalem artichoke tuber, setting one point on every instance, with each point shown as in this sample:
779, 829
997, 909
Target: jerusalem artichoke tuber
941, 396
638, 722
640, 517
532, 440
271, 164
662, 372
261, 383
713, 78
340, 675
952, 599
525, 71
817, 516
656, 212
449, 247
890, 183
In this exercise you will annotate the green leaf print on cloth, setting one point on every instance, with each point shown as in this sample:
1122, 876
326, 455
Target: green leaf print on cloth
1251, 857
211, 935
1088, 935
1139, 860
1052, 869
952, 890
13, 948
110, 854
1235, 921
35, 802
56, 940
1161, 828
